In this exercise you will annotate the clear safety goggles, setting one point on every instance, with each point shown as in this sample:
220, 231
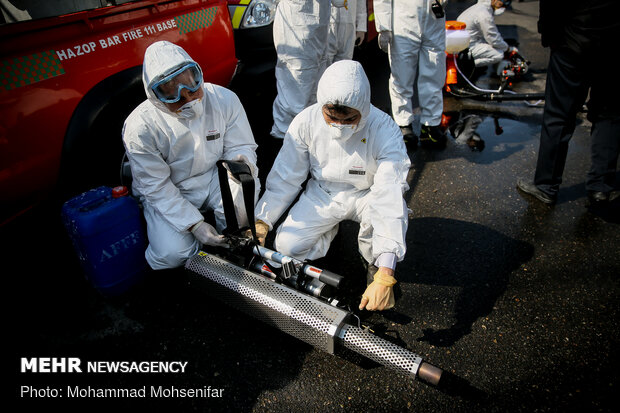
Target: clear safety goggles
168, 89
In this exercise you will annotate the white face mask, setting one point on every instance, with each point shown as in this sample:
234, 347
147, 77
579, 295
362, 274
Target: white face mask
191, 109
499, 11
339, 131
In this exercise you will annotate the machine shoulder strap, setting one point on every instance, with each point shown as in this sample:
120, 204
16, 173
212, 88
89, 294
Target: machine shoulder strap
242, 173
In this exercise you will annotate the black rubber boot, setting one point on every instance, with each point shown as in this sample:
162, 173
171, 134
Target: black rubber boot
432, 137
410, 138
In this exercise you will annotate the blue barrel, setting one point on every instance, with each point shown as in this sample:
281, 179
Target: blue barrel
107, 231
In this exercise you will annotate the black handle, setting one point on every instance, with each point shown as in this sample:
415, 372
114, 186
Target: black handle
331, 278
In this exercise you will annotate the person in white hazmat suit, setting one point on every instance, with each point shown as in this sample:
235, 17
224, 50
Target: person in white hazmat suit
300, 30
347, 28
486, 45
413, 34
173, 141
358, 167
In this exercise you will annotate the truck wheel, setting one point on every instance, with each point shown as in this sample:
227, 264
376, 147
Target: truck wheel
93, 148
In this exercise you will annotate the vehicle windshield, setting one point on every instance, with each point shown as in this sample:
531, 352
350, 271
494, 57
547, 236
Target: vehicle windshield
20, 10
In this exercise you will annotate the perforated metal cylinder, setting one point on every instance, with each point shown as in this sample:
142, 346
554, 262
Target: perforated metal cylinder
302, 316
297, 314
380, 350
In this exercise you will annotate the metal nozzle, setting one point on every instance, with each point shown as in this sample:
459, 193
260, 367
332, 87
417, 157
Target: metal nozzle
429, 373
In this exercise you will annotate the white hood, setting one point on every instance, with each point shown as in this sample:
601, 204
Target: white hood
497, 12
345, 83
160, 59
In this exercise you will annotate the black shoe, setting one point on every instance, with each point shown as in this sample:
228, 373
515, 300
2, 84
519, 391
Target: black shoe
531, 189
432, 137
480, 71
597, 199
410, 138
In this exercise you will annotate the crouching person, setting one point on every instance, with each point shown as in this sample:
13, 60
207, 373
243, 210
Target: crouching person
358, 168
173, 141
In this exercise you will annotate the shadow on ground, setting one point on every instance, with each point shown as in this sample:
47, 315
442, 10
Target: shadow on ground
472, 257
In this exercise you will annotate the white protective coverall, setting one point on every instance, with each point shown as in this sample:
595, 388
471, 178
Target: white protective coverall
344, 24
300, 37
418, 46
361, 178
486, 45
173, 160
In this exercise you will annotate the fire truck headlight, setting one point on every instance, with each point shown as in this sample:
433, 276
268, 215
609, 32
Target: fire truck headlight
259, 13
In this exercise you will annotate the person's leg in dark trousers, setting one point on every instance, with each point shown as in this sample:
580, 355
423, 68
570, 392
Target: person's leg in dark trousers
604, 113
566, 91
605, 149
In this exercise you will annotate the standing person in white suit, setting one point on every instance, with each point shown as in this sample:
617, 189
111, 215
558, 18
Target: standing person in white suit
300, 37
173, 141
413, 34
358, 168
347, 28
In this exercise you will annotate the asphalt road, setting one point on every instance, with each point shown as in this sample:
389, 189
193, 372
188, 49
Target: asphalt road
516, 301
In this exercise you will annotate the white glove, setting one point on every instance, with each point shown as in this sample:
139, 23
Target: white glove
340, 3
359, 37
512, 49
385, 38
207, 235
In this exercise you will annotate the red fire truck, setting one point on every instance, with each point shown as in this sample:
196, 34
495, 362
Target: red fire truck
70, 75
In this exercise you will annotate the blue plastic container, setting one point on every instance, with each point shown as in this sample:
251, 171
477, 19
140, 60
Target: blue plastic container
107, 231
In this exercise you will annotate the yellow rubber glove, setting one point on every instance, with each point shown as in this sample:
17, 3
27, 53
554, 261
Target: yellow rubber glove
261, 231
379, 295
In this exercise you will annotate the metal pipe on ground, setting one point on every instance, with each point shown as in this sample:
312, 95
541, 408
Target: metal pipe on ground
307, 318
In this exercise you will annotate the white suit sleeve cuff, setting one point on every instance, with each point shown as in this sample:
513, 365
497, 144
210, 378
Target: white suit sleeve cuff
387, 259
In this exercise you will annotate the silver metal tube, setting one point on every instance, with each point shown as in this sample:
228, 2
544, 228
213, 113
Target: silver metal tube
275, 256
307, 269
380, 350
302, 316
261, 268
270, 254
